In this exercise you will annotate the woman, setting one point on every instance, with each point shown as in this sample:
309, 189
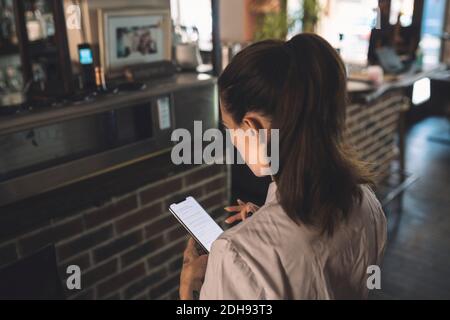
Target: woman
321, 226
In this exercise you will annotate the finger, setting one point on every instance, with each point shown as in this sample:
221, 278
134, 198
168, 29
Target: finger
234, 218
190, 252
250, 207
243, 214
203, 259
253, 208
233, 208
190, 244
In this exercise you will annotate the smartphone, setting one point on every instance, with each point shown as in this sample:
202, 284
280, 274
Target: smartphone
197, 222
85, 54
86, 58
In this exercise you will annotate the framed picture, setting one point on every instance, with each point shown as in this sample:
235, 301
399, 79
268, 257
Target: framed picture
133, 36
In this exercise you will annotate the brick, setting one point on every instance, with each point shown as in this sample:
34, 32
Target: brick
203, 173
169, 284
216, 184
83, 261
214, 200
167, 221
84, 294
177, 234
143, 250
219, 214
142, 216
160, 191
162, 257
99, 273
8, 254
115, 296
117, 245
175, 198
196, 192
84, 242
144, 283
176, 264
142, 297
174, 295
110, 211
122, 279
50, 235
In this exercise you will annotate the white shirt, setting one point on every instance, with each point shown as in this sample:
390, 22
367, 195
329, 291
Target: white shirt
268, 256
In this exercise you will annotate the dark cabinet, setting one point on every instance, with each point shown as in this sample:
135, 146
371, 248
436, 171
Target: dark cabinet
34, 54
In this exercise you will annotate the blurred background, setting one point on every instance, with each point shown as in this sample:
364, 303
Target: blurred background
90, 92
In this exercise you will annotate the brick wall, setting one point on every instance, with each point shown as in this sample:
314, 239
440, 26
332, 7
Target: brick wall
130, 247
372, 130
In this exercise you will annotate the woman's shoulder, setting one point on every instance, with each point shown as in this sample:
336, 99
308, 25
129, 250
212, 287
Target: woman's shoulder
248, 239
370, 201
256, 223
271, 223
267, 230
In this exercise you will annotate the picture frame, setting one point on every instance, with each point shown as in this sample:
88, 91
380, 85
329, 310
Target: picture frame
134, 36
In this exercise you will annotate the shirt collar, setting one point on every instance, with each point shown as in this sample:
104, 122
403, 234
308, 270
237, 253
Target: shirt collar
271, 193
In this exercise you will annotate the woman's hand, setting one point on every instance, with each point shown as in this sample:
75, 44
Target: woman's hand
243, 209
193, 271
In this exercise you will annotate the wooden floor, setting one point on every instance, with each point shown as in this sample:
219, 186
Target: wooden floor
417, 259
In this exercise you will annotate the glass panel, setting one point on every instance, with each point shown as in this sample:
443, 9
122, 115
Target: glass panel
8, 35
294, 8
39, 20
41, 148
403, 9
340, 18
11, 80
195, 13
432, 29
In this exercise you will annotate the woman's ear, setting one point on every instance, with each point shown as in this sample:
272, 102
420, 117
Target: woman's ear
255, 121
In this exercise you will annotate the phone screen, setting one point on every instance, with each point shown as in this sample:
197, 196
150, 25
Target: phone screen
197, 222
86, 56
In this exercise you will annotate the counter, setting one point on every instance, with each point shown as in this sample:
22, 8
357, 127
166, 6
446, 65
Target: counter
52, 147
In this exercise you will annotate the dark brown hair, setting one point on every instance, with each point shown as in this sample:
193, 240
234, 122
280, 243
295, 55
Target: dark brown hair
301, 86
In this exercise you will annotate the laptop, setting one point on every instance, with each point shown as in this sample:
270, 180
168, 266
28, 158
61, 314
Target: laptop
390, 60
